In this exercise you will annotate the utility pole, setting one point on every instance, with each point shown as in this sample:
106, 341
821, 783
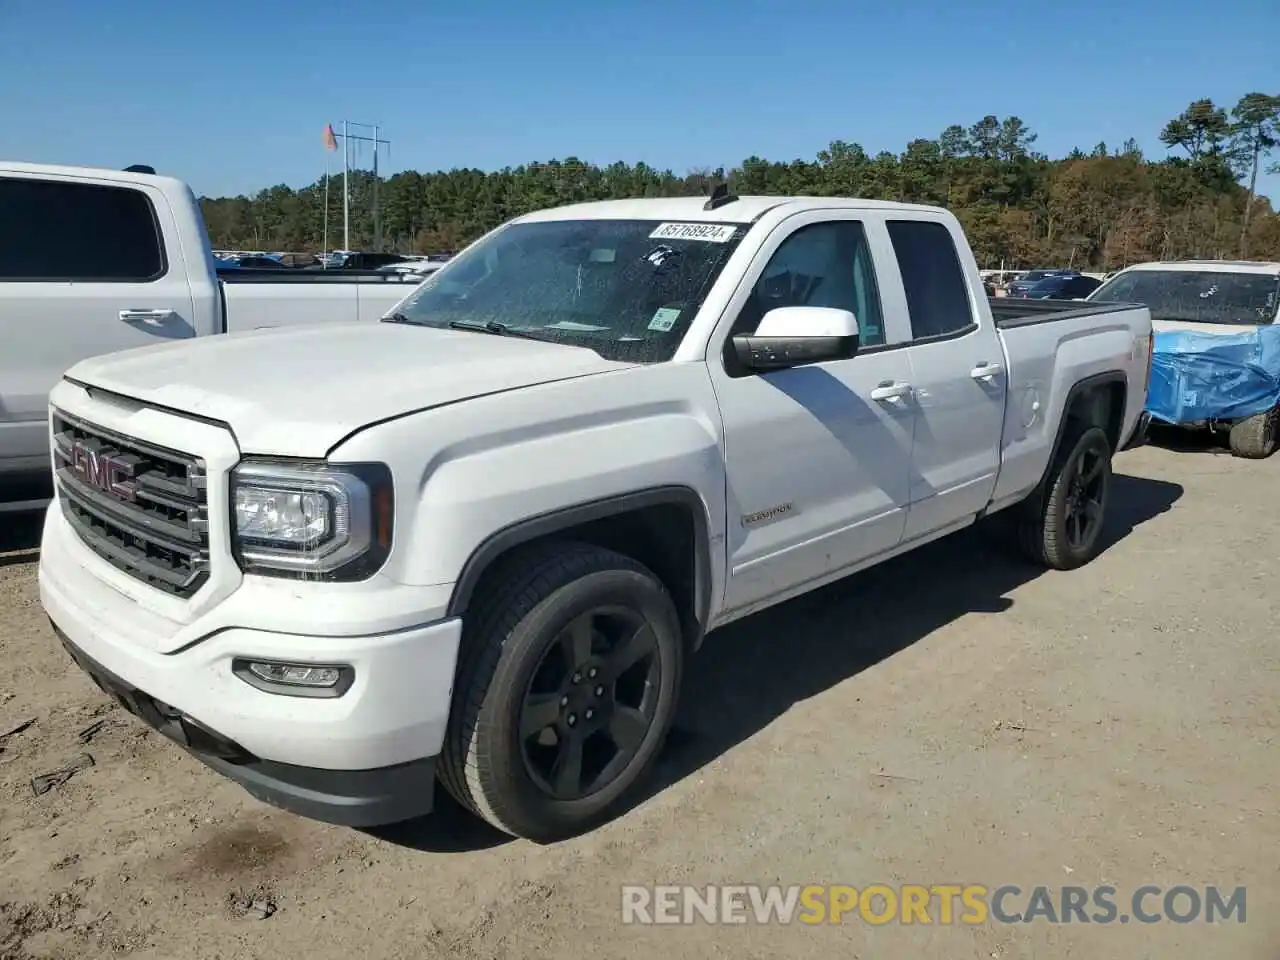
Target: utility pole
346, 192
348, 138
377, 231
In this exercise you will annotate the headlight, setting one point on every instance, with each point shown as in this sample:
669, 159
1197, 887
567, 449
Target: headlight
311, 520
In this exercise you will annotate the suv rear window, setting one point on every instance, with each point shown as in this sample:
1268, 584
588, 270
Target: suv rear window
1197, 296
63, 231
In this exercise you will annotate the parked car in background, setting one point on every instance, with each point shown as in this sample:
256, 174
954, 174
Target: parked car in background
1020, 286
357, 260
257, 263
1217, 357
478, 541
1062, 287
95, 261
416, 268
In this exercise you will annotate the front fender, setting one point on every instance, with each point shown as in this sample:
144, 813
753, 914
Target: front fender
466, 472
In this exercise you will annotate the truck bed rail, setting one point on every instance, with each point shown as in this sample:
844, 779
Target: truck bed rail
254, 275
1020, 312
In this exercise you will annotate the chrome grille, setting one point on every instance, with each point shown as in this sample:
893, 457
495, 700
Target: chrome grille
140, 507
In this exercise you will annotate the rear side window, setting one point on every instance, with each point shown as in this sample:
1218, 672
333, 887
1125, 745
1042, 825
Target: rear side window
61, 231
937, 296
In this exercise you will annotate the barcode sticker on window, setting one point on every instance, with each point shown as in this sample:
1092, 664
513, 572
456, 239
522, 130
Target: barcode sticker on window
708, 232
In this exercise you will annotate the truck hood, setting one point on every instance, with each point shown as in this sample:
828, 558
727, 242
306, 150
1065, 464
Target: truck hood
297, 392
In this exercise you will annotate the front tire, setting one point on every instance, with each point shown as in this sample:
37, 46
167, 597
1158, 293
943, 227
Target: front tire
1061, 526
1254, 438
566, 689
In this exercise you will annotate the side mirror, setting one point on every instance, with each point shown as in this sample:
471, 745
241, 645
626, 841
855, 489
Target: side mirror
795, 336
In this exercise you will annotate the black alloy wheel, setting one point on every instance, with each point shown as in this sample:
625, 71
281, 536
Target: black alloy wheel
591, 702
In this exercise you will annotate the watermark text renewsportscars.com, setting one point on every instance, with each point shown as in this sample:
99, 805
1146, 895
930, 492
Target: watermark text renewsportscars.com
940, 903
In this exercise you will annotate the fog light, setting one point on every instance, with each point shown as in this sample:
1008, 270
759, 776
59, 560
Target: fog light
295, 679
296, 674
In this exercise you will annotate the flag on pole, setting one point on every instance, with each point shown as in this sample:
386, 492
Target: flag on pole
330, 141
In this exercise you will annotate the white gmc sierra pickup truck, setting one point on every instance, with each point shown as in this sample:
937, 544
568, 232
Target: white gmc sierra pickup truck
95, 261
478, 540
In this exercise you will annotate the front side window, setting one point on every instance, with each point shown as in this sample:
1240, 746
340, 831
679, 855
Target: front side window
1197, 296
627, 289
937, 295
53, 230
820, 265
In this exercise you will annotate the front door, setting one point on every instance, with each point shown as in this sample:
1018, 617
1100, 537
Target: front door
85, 270
817, 457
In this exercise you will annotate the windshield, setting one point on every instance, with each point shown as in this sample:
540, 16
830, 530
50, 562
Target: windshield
627, 289
1197, 296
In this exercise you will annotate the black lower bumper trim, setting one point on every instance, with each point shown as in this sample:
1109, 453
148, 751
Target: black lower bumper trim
352, 798
1139, 435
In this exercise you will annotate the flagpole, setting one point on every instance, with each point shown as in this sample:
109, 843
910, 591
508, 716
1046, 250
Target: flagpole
324, 250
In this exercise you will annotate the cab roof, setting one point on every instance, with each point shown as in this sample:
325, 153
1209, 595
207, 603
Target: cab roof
107, 174
692, 209
1265, 267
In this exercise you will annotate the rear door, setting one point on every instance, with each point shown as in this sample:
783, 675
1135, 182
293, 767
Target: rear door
957, 374
87, 267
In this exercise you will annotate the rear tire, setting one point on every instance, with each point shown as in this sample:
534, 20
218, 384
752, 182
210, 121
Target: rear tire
545, 699
1254, 438
1060, 525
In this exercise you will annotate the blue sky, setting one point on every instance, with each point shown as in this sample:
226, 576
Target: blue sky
234, 101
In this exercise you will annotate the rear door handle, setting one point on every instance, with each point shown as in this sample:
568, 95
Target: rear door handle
152, 318
985, 371
891, 390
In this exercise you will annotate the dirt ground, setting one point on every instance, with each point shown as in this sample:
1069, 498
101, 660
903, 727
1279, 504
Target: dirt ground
951, 717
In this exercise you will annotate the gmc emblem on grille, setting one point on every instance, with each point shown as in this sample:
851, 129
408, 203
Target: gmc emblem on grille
102, 471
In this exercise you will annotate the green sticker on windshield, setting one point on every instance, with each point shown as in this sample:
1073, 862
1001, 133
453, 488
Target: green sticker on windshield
664, 319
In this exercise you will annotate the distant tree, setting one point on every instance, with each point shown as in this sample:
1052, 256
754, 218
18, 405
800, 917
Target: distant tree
1098, 209
1255, 131
1200, 130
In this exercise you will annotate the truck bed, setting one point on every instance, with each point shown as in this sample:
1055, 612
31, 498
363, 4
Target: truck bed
253, 299
1051, 348
1019, 311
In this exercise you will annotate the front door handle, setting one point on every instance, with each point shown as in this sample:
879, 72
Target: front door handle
891, 390
152, 318
985, 371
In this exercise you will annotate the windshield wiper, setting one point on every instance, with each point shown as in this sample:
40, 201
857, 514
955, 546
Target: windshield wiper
494, 327
491, 326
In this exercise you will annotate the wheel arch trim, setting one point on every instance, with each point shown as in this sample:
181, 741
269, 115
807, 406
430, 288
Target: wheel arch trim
564, 518
1079, 387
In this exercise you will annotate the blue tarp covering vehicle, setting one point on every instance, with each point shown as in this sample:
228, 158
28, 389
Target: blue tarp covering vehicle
1197, 377
1217, 347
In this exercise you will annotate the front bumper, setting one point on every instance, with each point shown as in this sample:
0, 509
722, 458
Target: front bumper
354, 798
359, 759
